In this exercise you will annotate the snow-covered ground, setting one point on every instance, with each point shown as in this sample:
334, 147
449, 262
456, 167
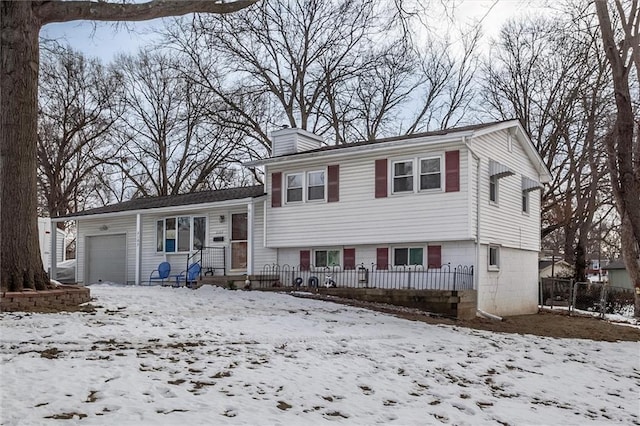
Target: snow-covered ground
154, 355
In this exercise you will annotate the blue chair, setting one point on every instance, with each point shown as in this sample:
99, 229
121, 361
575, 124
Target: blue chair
161, 274
190, 276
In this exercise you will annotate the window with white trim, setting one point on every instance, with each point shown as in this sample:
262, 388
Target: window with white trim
294, 184
315, 185
525, 201
326, 258
430, 173
405, 256
493, 189
180, 234
494, 258
403, 176
428, 177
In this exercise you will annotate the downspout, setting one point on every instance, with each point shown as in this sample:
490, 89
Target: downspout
53, 259
138, 248
476, 275
250, 234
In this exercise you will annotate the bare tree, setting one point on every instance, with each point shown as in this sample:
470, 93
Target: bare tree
20, 23
548, 72
172, 141
344, 70
622, 49
79, 103
446, 88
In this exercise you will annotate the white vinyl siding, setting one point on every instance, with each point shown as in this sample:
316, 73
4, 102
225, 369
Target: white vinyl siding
504, 224
441, 215
261, 254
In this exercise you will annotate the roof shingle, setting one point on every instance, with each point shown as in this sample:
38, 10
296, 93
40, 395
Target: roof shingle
176, 200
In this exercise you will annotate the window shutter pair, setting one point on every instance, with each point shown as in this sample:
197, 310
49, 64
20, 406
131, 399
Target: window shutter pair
349, 261
333, 186
452, 174
434, 257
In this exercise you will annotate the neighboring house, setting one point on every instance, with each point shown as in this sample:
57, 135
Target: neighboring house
559, 268
125, 242
44, 237
618, 275
466, 196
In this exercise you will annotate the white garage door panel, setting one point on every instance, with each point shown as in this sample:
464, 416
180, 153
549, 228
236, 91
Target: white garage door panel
107, 259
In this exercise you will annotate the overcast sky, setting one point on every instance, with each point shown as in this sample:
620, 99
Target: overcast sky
106, 40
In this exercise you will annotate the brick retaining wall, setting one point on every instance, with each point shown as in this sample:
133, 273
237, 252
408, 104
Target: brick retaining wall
61, 297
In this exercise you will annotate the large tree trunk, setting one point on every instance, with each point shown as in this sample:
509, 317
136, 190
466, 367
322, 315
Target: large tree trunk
623, 155
20, 21
20, 262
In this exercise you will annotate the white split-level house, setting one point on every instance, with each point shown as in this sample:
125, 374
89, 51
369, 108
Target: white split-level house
464, 196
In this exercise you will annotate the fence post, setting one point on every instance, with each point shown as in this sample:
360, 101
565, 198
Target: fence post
574, 297
603, 301
409, 278
455, 272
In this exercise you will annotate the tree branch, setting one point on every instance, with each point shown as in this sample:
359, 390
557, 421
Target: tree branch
64, 11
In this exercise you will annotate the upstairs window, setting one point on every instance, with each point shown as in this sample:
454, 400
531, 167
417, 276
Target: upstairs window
294, 187
408, 256
497, 171
430, 173
315, 186
525, 202
493, 189
403, 176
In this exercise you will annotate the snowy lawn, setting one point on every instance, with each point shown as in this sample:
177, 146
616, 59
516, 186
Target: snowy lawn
153, 355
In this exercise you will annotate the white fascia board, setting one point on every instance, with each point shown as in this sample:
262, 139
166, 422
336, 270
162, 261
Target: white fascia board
532, 152
161, 210
374, 147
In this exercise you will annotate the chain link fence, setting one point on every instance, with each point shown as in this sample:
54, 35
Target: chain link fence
586, 296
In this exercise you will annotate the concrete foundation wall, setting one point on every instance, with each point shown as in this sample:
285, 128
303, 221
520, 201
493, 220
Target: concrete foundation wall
458, 304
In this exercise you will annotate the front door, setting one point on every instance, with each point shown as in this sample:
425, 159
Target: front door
239, 241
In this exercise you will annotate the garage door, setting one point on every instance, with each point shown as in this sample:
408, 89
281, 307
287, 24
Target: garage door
107, 259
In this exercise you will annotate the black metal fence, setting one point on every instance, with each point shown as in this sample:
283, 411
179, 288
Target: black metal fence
595, 297
212, 261
371, 276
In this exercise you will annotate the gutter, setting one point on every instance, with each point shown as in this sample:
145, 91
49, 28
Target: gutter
358, 148
160, 210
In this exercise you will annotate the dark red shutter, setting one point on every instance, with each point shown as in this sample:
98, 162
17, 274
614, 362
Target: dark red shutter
305, 260
349, 258
276, 189
382, 258
381, 178
333, 191
452, 167
434, 256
